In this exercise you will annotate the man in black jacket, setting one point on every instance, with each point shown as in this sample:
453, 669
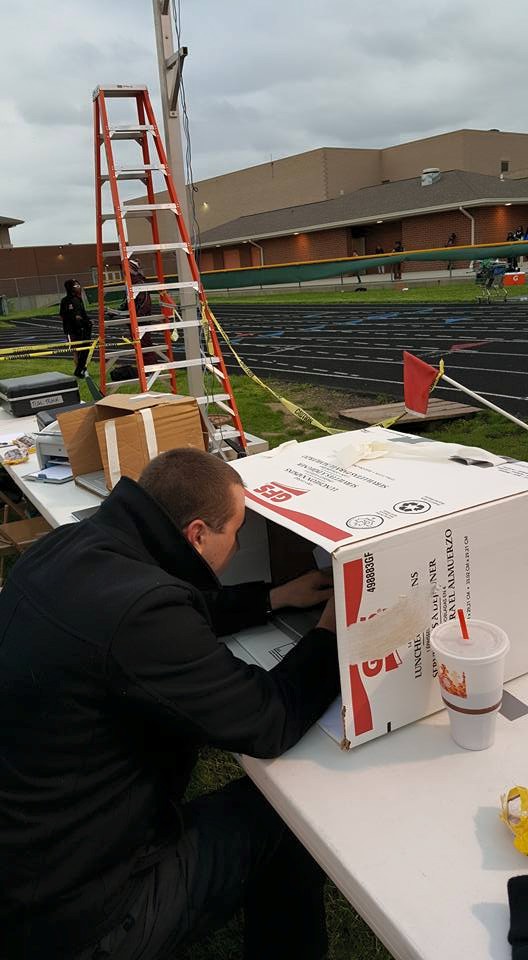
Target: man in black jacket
76, 323
112, 678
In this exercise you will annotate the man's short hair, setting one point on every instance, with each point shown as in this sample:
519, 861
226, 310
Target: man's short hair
191, 484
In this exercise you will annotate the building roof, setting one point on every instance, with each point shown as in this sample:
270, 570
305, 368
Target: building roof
9, 222
401, 198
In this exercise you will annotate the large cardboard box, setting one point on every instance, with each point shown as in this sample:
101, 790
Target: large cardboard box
121, 434
410, 541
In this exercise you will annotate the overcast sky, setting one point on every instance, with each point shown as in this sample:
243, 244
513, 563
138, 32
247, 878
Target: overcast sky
262, 79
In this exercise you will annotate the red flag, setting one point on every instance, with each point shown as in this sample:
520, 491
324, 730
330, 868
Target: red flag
418, 378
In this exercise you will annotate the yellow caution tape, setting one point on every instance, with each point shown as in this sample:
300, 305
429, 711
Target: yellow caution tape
37, 348
292, 408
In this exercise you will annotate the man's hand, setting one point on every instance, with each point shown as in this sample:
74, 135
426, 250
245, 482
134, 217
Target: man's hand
327, 620
306, 591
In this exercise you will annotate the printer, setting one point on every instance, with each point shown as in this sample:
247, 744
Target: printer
50, 447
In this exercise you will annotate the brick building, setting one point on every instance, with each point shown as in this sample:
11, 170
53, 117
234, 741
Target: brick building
421, 212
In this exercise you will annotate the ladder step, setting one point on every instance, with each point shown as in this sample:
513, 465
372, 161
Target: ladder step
178, 325
138, 173
127, 132
147, 248
153, 287
145, 210
174, 365
213, 398
114, 384
208, 365
130, 351
124, 318
120, 90
224, 407
147, 207
225, 433
156, 248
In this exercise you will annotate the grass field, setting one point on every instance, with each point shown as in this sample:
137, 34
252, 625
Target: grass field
456, 292
350, 937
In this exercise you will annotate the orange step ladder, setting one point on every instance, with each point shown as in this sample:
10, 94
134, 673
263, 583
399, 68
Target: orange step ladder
167, 321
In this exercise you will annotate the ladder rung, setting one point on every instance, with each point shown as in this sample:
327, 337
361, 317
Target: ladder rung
212, 398
153, 287
147, 248
225, 433
125, 318
225, 407
140, 173
130, 351
129, 132
145, 207
114, 384
119, 89
178, 325
174, 365
208, 364
155, 248
144, 210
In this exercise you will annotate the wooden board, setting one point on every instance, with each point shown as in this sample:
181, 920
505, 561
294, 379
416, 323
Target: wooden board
437, 410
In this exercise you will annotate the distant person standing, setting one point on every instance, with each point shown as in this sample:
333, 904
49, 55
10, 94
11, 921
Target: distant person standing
379, 250
396, 267
451, 242
512, 261
76, 323
358, 278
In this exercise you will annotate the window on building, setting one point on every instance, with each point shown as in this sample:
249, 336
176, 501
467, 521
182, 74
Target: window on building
505, 166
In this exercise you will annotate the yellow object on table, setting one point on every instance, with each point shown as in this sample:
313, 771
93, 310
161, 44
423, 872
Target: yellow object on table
515, 816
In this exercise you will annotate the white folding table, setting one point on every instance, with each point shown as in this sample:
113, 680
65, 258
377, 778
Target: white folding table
407, 826
55, 502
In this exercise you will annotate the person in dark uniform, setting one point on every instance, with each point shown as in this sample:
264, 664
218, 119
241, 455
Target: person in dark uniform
113, 678
76, 323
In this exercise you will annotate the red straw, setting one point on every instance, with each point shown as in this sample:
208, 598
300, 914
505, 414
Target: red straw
463, 624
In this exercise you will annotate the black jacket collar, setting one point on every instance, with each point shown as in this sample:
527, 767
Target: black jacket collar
140, 520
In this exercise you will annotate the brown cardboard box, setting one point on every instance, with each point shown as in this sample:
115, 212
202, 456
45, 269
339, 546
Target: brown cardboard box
22, 533
117, 434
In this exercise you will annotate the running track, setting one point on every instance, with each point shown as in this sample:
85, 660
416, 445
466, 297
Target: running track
359, 348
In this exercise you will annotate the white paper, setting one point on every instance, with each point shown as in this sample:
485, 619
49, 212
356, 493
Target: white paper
55, 472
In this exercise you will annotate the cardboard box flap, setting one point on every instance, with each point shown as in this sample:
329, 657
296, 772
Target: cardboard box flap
305, 488
80, 440
129, 403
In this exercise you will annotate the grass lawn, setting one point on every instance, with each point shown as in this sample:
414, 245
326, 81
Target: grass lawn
456, 292
350, 937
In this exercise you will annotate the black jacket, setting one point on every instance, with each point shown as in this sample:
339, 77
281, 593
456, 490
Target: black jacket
111, 677
75, 321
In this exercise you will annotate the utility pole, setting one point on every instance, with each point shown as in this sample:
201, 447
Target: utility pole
170, 64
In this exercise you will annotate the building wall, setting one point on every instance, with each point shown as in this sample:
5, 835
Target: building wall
332, 171
25, 271
492, 224
478, 151
409, 159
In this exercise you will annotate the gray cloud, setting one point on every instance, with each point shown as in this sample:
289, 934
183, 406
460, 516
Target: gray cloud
261, 79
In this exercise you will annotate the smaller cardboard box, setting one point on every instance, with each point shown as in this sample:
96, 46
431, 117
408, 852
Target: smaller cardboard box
121, 434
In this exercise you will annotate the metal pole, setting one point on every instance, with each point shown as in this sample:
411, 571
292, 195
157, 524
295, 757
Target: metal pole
174, 150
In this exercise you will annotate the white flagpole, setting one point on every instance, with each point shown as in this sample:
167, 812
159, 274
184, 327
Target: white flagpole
487, 403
